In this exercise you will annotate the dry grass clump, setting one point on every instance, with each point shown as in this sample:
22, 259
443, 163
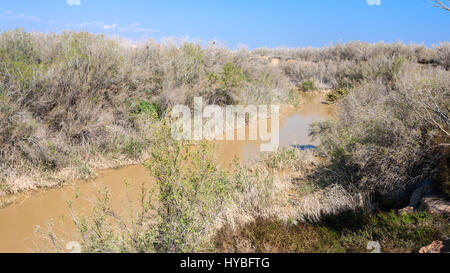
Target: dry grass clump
279, 187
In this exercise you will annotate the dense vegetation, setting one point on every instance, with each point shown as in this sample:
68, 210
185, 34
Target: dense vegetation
73, 102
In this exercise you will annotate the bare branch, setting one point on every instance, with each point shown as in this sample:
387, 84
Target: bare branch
441, 4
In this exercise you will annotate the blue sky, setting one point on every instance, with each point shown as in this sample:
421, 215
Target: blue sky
256, 23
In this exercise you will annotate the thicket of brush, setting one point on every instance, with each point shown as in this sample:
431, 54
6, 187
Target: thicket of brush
344, 65
78, 101
390, 133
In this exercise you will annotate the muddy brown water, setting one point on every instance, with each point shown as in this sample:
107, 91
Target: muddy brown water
18, 221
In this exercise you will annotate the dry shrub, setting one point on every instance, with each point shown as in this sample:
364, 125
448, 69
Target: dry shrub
279, 187
381, 141
346, 64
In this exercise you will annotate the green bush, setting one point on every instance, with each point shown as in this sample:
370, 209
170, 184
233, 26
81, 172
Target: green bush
280, 159
192, 191
231, 76
150, 109
308, 86
133, 149
18, 46
337, 94
194, 51
225, 85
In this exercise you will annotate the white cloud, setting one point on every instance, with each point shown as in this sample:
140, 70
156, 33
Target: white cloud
10, 15
73, 2
110, 27
134, 27
374, 2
